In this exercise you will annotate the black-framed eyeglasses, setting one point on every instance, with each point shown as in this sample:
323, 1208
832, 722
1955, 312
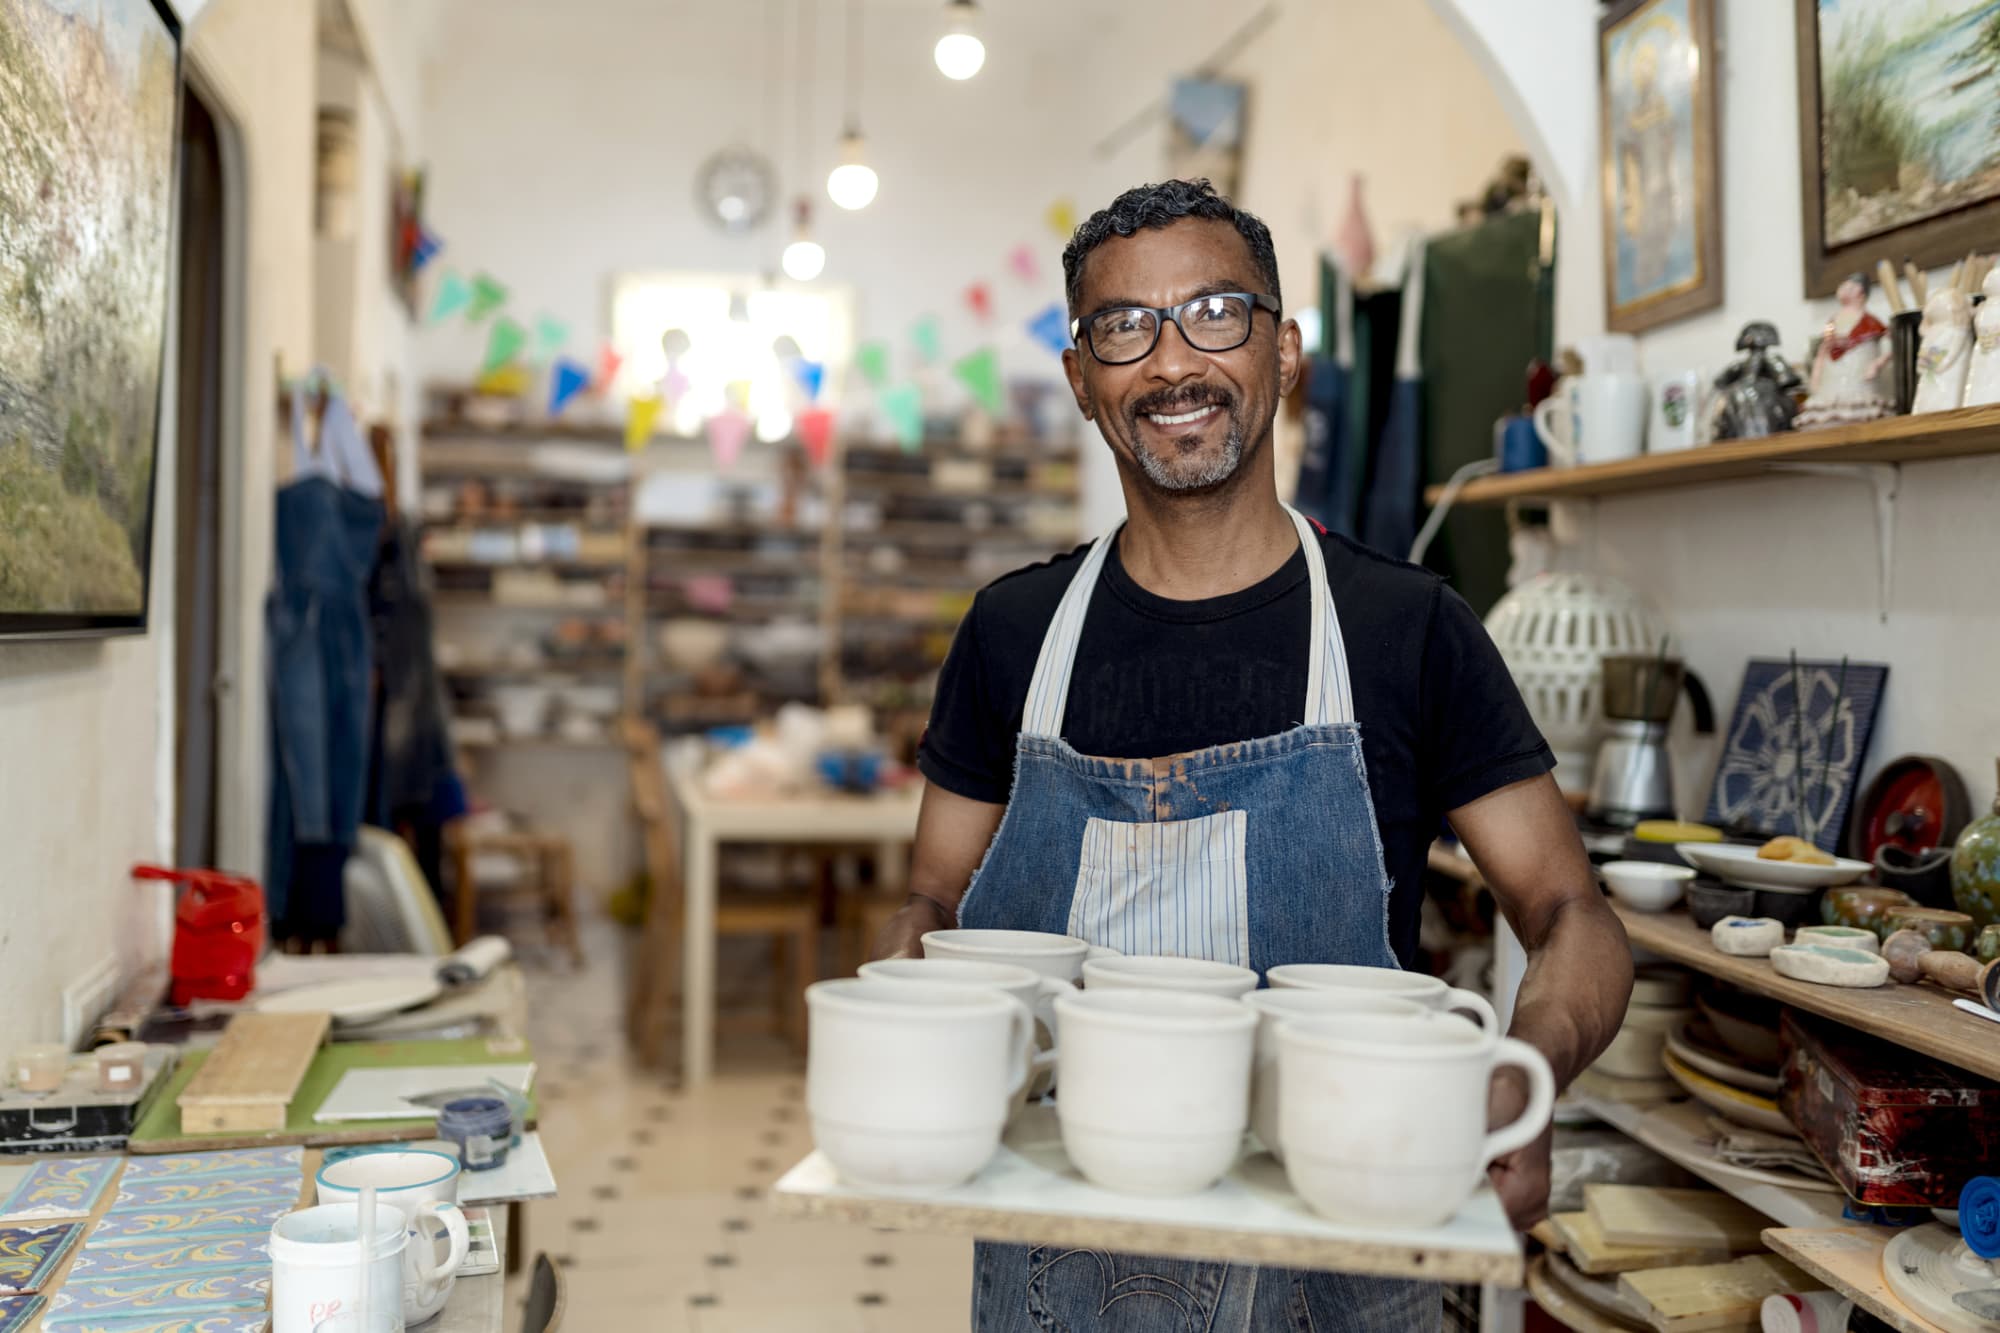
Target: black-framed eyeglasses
1124, 334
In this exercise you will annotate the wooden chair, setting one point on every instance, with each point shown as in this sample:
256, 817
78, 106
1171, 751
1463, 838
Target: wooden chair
547, 1294
551, 872
790, 920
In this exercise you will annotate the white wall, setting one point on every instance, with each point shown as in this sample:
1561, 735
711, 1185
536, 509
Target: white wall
1759, 568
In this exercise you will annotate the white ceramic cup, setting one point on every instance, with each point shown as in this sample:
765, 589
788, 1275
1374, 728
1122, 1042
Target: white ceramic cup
1155, 1087
1274, 1007
423, 1183
1198, 975
909, 1083
1429, 991
1035, 991
1594, 419
317, 1269
1384, 1117
1058, 956
1674, 422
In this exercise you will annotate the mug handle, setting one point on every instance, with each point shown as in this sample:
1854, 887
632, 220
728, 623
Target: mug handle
1052, 989
1544, 415
453, 1217
1022, 1060
1481, 1007
1541, 1100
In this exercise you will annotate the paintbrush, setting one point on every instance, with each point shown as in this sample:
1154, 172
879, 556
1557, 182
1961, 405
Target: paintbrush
1885, 275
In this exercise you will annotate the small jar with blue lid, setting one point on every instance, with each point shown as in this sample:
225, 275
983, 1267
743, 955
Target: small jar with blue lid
482, 1127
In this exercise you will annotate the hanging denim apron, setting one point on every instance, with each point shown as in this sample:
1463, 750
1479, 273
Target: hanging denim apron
1258, 852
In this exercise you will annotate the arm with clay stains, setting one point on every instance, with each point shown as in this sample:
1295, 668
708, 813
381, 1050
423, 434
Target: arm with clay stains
953, 833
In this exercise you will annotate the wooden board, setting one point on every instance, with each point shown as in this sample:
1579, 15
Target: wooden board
1593, 1255
160, 1129
1649, 1215
1849, 1259
1715, 1296
247, 1082
1957, 434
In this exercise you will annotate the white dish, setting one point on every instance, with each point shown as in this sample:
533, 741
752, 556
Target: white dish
362, 1000
1734, 863
1694, 1057
1645, 886
1745, 1108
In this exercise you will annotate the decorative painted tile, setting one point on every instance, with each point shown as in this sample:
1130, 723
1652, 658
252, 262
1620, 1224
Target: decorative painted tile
235, 1163
58, 1187
232, 1321
191, 1223
178, 1193
109, 1258
111, 1299
17, 1312
29, 1254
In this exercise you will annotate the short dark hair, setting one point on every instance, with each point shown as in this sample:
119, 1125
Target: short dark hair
1159, 205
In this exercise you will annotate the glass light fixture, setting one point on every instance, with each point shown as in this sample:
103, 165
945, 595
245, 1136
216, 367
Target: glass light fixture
959, 53
804, 258
853, 183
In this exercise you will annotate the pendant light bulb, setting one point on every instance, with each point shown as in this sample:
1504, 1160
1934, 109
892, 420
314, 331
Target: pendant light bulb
959, 53
853, 183
804, 258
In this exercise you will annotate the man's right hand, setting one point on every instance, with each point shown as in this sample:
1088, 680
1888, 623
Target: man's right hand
903, 935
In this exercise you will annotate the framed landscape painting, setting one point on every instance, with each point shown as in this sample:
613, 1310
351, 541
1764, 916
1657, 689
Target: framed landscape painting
1657, 137
1899, 132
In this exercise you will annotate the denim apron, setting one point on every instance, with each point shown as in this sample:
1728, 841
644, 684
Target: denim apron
1258, 852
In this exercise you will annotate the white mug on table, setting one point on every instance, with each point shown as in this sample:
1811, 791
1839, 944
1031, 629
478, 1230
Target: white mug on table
317, 1269
422, 1184
1429, 991
1274, 1007
1593, 419
1034, 991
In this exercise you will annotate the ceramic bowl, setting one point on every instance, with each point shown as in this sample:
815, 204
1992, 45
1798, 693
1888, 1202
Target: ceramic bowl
1746, 1025
1180, 974
1863, 907
1635, 1050
1842, 937
1645, 886
1710, 902
1951, 931
1787, 906
404, 1177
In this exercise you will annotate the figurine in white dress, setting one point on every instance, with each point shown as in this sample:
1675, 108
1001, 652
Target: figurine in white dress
1982, 385
1847, 373
1945, 353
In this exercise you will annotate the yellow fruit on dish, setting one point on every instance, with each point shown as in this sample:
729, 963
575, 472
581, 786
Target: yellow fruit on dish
1795, 850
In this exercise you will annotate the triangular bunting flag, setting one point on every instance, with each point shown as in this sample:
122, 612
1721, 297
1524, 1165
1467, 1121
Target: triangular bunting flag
488, 295
924, 337
815, 428
1061, 218
640, 414
506, 339
980, 298
608, 362
737, 394
1051, 329
728, 431
980, 373
1022, 260
567, 381
453, 295
810, 375
503, 382
904, 407
673, 384
425, 250
551, 336
872, 359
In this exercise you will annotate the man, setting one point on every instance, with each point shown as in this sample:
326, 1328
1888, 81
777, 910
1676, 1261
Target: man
1226, 695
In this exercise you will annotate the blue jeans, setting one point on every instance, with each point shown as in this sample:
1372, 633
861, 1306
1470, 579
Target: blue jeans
1060, 1289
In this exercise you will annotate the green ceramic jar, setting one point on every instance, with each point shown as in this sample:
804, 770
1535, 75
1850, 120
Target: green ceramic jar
1862, 908
1975, 869
1951, 931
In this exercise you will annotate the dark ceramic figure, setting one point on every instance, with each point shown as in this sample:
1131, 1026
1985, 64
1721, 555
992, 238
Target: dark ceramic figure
1754, 395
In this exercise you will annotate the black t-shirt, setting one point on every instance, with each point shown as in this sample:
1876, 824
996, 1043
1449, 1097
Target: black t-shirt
1442, 723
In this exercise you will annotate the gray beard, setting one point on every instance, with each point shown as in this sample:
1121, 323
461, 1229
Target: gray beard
1164, 472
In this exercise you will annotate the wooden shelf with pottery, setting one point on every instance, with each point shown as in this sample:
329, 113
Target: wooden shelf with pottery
1919, 1017
1963, 433
1849, 1259
1030, 1194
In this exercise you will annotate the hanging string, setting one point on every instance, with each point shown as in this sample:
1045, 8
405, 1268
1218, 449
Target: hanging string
853, 66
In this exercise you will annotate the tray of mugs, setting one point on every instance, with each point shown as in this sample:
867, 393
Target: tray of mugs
1335, 1118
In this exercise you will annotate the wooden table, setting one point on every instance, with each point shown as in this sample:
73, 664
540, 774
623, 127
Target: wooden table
887, 823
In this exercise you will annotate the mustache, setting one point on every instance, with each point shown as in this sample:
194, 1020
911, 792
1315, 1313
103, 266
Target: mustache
1187, 398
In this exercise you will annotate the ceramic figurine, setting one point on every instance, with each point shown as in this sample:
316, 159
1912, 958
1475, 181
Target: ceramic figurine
1829, 965
1982, 382
1753, 395
1944, 352
1950, 931
1975, 869
1847, 372
1862, 908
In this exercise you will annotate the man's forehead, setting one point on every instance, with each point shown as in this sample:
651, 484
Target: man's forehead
1162, 265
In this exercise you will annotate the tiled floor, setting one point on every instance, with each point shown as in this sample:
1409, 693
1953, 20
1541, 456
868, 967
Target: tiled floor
662, 1224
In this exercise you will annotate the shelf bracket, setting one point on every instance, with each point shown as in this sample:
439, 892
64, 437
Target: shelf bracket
1886, 480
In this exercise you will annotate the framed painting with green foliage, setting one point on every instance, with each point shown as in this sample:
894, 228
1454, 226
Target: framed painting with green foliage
1899, 132
89, 127
1657, 134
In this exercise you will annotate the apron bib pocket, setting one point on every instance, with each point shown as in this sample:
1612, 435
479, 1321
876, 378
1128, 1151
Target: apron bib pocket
1178, 888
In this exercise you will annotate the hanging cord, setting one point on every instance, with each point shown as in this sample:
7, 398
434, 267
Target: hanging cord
853, 66
1478, 467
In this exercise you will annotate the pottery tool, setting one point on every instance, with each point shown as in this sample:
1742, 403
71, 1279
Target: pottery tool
1911, 959
1934, 1273
1919, 287
1594, 1255
248, 1080
1714, 1296
1651, 1215
1885, 278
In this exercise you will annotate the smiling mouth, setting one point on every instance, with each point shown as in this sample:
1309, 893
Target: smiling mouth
1184, 418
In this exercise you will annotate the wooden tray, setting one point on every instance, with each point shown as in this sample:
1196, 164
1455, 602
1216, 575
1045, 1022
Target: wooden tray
1029, 1193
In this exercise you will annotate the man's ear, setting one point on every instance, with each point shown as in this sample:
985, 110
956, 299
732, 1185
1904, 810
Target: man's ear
1073, 367
1291, 358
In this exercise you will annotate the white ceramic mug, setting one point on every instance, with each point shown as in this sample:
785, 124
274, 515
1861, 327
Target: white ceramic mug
1058, 956
1035, 991
423, 1184
1594, 419
910, 1083
1429, 991
1675, 420
1384, 1117
1274, 1007
1155, 1087
1154, 972
316, 1265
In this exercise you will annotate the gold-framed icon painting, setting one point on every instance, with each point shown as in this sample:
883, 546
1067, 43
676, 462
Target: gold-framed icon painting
1657, 153
1899, 132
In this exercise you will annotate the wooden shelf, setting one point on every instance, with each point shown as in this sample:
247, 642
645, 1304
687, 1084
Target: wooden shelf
1960, 434
1849, 1259
1919, 1017
550, 742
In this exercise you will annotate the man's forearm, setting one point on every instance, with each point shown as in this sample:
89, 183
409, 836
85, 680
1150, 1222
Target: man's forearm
1572, 998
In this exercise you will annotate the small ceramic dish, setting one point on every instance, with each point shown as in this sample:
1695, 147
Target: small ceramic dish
1745, 1108
1645, 886
1709, 902
1738, 864
1695, 1046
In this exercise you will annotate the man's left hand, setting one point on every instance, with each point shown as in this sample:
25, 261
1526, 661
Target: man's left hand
1521, 1178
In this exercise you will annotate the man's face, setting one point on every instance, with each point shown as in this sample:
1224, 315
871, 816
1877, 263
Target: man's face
1186, 419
